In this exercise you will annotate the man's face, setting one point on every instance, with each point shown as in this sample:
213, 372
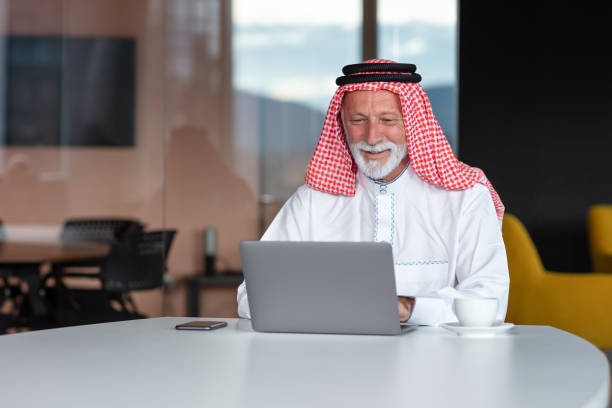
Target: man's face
375, 131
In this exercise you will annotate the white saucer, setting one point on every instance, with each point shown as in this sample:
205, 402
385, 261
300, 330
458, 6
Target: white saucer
478, 331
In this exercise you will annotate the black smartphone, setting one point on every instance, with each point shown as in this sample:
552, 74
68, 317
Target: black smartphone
200, 325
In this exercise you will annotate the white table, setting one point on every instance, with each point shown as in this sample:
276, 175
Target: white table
147, 363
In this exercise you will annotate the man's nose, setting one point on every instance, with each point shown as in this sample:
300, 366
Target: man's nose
373, 135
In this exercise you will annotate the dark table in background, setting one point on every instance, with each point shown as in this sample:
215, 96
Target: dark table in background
24, 259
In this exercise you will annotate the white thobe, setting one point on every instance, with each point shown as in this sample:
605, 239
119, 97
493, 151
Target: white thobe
446, 244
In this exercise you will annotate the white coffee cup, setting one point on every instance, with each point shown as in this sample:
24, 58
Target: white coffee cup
475, 311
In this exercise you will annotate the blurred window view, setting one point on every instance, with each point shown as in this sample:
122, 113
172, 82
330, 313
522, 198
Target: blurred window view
425, 33
285, 62
195, 116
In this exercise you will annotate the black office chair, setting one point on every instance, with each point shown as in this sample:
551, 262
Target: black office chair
113, 231
138, 266
11, 296
11, 299
107, 230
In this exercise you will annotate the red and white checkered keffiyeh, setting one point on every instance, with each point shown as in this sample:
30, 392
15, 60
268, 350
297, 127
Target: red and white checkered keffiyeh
333, 170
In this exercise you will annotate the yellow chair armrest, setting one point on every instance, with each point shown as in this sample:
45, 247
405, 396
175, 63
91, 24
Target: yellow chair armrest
575, 302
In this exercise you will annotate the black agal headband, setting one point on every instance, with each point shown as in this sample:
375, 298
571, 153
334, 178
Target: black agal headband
371, 72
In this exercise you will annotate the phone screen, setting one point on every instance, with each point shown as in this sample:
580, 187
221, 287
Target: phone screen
201, 325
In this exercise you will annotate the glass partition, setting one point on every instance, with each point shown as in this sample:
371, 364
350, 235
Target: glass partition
193, 115
81, 121
206, 183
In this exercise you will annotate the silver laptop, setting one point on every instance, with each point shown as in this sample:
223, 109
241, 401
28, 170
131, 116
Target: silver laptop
321, 287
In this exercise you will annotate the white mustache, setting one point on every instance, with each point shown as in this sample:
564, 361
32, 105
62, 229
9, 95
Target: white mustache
377, 148
373, 168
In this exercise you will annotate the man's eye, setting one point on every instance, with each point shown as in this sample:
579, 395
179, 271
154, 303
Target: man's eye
357, 121
386, 120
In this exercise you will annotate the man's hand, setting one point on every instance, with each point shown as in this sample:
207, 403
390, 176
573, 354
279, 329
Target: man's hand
404, 306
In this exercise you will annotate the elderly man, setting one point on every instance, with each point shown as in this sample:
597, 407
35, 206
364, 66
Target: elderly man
383, 171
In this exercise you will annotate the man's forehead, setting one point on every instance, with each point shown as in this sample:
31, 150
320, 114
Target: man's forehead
378, 98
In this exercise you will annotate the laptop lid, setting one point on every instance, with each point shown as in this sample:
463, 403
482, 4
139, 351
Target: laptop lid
321, 287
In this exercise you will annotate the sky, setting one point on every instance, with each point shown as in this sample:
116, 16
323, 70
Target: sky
292, 50
344, 12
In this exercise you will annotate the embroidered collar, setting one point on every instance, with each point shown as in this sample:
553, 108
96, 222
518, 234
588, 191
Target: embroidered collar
375, 186
386, 183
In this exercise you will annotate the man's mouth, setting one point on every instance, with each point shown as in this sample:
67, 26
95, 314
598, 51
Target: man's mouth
375, 156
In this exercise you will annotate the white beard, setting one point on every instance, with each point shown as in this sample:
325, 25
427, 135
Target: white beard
373, 168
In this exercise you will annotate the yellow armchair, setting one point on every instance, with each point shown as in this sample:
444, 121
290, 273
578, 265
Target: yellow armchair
580, 303
599, 221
